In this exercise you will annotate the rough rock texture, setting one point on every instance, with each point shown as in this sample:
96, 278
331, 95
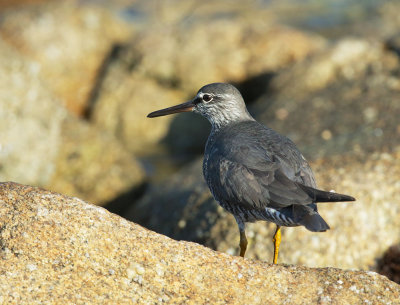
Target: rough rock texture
42, 144
348, 93
69, 40
57, 249
181, 207
183, 55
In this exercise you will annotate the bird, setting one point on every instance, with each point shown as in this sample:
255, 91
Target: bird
252, 171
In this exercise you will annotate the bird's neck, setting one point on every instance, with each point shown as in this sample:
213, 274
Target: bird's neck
225, 118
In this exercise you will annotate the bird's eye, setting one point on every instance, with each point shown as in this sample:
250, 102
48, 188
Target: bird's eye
207, 97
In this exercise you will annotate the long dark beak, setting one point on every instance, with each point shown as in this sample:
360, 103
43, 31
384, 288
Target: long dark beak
185, 107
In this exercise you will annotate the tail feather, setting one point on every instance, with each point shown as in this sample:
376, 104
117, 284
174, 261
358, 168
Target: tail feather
315, 223
323, 196
307, 215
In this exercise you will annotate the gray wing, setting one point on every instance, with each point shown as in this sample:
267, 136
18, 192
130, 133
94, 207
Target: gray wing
256, 188
256, 175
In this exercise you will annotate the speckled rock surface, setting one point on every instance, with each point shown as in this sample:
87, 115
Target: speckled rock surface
69, 41
42, 144
57, 249
354, 241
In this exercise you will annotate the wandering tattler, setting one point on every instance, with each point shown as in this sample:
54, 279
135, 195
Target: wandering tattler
252, 171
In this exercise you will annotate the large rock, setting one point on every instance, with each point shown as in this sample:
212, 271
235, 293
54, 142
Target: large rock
57, 249
191, 52
342, 99
30, 124
182, 208
94, 166
123, 104
69, 40
163, 66
42, 144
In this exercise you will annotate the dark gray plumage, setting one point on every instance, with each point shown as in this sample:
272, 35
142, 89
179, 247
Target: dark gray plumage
252, 171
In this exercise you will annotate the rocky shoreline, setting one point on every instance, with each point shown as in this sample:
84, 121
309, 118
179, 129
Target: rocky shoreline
77, 81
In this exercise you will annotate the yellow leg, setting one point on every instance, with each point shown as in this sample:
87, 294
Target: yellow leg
277, 242
243, 243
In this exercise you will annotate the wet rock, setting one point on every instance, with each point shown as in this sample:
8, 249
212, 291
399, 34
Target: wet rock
42, 144
342, 99
181, 207
61, 249
69, 41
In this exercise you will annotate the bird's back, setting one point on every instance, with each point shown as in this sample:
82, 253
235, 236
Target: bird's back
254, 145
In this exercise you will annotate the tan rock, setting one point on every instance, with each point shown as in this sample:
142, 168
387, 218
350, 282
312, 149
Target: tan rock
69, 41
123, 105
249, 47
57, 249
390, 18
340, 100
348, 58
93, 165
165, 65
7, 4
30, 124
42, 144
373, 179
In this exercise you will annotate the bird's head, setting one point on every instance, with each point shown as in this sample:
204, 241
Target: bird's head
220, 103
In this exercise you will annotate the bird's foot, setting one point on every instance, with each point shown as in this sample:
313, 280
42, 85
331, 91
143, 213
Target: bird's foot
277, 242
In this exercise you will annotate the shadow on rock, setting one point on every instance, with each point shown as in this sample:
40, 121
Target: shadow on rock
256, 86
124, 201
187, 135
389, 264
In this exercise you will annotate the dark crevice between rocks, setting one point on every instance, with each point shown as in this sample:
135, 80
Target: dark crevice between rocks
123, 202
393, 44
112, 55
389, 264
256, 86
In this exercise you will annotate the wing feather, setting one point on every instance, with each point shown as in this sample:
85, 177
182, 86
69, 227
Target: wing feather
264, 172
256, 189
